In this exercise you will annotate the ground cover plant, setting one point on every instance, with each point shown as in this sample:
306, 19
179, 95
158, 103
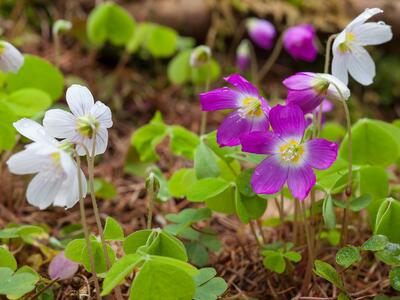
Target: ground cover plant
139, 163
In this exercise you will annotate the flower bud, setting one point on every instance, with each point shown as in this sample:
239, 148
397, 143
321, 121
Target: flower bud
261, 32
243, 58
11, 60
200, 56
299, 42
152, 184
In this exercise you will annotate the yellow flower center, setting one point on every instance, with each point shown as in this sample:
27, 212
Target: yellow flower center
56, 158
251, 107
345, 46
87, 126
291, 152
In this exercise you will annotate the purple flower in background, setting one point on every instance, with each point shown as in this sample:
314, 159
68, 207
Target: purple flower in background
243, 58
290, 159
61, 267
261, 32
308, 90
299, 42
250, 109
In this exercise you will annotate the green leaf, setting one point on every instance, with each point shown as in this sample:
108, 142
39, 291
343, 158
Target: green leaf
329, 273
157, 280
243, 183
161, 41
110, 22
274, 261
328, 212
222, 152
332, 131
333, 236
209, 287
198, 254
394, 277
113, 231
119, 271
390, 255
375, 243
360, 202
7, 260
39, 74
135, 240
223, 202
27, 102
372, 144
205, 163
293, 256
388, 214
8, 135
104, 189
249, 208
212, 70
190, 215
347, 256
180, 183
179, 68
207, 188
18, 284
163, 193
184, 266
183, 141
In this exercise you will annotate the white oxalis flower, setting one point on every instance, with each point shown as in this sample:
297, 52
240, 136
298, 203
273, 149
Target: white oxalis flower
349, 55
88, 121
11, 60
56, 179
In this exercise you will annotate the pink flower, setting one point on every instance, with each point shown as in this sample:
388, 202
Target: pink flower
250, 109
290, 158
299, 42
261, 32
243, 59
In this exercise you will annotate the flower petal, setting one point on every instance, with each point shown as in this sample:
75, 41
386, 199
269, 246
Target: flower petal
101, 142
260, 142
288, 121
80, 100
242, 84
335, 84
61, 267
320, 153
300, 181
230, 130
361, 66
372, 33
269, 176
364, 16
223, 98
307, 100
339, 66
60, 123
11, 60
102, 113
299, 81
43, 189
33, 131
26, 162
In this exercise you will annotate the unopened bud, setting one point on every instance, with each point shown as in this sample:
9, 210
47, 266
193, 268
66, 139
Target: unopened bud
152, 184
200, 56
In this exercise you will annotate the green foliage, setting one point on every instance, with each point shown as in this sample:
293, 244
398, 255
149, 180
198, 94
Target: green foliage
7, 260
110, 22
276, 257
183, 141
348, 256
28, 233
113, 231
333, 236
208, 287
27, 102
8, 133
390, 254
388, 214
329, 273
104, 189
205, 163
332, 131
328, 212
207, 188
180, 183
394, 277
375, 243
15, 285
37, 73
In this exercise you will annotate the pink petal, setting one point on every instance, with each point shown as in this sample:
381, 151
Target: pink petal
269, 176
230, 130
320, 153
61, 267
288, 121
299, 81
308, 100
260, 142
301, 179
223, 98
242, 84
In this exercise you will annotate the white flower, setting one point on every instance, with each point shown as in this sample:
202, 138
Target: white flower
56, 179
88, 120
349, 55
200, 56
11, 60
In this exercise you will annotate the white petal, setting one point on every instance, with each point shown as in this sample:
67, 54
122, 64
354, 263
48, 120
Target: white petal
361, 66
60, 123
80, 99
33, 131
364, 16
43, 189
102, 113
11, 60
101, 143
27, 162
341, 38
339, 67
336, 84
372, 33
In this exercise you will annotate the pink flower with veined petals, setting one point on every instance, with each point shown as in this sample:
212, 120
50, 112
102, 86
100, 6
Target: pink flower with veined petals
290, 159
250, 109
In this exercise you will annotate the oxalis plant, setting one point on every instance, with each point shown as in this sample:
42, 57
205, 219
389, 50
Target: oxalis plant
261, 153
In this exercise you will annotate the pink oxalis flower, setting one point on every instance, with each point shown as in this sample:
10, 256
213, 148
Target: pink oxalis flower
261, 32
290, 158
299, 42
308, 90
250, 109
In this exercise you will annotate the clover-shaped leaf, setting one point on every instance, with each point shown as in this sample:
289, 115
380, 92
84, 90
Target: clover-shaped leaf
375, 243
17, 284
208, 287
348, 256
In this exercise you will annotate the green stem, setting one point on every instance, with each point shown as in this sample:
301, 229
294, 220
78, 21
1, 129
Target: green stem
272, 59
254, 65
151, 199
85, 229
203, 123
254, 232
308, 274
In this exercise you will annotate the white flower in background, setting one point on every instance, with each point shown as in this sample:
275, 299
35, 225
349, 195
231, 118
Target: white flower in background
11, 60
200, 56
89, 121
56, 179
349, 55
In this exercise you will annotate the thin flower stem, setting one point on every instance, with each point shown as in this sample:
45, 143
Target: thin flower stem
57, 49
84, 224
254, 232
308, 274
151, 200
203, 124
259, 225
90, 161
272, 59
281, 217
254, 65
